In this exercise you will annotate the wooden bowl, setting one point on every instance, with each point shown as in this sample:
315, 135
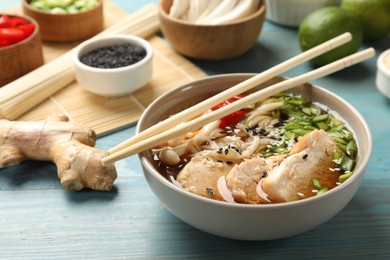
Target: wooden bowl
67, 27
211, 42
20, 58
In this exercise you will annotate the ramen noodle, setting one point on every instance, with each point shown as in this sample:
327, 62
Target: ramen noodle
284, 148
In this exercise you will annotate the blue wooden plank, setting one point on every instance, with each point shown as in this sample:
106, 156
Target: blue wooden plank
40, 220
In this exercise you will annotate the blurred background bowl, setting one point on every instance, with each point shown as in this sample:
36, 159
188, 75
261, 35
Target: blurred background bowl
244, 221
292, 12
383, 73
22, 57
211, 42
113, 82
67, 27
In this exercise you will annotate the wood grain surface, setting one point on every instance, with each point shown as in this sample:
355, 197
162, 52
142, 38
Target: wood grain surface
40, 220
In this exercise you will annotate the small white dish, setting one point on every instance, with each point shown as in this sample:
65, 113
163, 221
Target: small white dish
113, 82
293, 12
383, 73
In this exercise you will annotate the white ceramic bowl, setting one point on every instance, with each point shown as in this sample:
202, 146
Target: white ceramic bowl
383, 73
243, 221
117, 81
292, 12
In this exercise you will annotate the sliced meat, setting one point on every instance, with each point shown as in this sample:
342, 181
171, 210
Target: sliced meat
311, 158
201, 174
243, 179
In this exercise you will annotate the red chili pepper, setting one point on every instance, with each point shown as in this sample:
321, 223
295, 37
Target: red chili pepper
27, 29
4, 43
233, 118
15, 21
5, 21
11, 34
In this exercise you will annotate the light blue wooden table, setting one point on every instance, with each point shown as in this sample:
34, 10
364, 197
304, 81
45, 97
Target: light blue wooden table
40, 220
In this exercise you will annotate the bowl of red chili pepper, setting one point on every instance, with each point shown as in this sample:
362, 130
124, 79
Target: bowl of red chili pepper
20, 47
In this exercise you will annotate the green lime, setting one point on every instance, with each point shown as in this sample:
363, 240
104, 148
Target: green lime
325, 24
374, 16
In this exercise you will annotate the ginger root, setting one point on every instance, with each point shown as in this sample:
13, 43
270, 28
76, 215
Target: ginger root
70, 146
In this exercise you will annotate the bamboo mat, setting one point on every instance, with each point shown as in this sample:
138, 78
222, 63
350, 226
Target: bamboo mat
105, 115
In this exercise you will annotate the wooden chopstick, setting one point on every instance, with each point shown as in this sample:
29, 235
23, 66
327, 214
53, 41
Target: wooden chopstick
202, 107
239, 104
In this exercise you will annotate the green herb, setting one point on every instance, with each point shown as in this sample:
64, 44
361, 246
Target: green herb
344, 176
317, 184
298, 117
322, 190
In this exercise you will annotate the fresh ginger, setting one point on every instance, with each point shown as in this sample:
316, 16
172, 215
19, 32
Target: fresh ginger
70, 146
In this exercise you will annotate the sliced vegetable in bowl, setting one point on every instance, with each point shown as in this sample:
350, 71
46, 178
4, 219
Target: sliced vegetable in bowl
14, 29
64, 6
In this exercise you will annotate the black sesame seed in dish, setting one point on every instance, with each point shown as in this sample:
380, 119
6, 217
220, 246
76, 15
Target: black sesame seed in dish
113, 65
114, 56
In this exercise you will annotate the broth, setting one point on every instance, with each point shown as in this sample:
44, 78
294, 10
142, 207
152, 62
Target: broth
276, 126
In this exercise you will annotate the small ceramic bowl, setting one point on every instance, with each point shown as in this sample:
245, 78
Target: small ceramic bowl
22, 57
292, 12
211, 42
245, 221
113, 82
383, 73
67, 27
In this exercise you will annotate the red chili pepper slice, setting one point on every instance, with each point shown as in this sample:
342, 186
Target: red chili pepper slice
233, 118
5, 21
11, 34
27, 29
16, 21
4, 43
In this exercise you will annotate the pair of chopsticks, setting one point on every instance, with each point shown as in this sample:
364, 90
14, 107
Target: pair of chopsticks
189, 120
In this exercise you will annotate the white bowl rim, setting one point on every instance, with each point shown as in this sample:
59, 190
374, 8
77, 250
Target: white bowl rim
117, 37
359, 171
381, 63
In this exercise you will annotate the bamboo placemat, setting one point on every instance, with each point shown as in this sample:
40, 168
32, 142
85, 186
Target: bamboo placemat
105, 115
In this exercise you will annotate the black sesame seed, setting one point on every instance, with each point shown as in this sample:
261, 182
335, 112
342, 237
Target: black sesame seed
210, 191
264, 175
229, 162
114, 56
305, 156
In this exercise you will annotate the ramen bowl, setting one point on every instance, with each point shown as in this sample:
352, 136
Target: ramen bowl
211, 42
248, 221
